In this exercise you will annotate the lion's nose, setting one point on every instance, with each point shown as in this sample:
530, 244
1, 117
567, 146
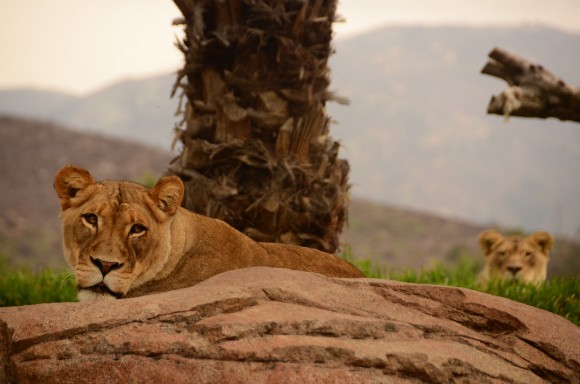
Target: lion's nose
105, 266
514, 269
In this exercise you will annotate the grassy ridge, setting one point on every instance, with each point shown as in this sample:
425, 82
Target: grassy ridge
559, 295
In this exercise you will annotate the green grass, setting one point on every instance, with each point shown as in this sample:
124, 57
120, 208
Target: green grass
20, 286
557, 295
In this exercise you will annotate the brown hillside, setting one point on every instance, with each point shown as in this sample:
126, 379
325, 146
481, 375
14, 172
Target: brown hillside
32, 151
403, 238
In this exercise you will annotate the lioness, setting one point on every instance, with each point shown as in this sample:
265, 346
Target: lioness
515, 257
123, 240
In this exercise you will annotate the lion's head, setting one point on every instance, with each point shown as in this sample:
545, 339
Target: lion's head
515, 257
113, 231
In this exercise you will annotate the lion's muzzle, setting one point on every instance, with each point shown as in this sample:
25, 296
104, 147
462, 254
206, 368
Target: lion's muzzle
105, 266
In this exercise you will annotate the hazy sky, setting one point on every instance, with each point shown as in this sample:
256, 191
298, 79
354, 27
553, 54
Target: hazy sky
79, 46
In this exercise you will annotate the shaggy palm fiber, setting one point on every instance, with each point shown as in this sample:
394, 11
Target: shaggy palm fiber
256, 150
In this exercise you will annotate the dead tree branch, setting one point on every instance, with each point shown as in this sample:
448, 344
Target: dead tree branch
533, 90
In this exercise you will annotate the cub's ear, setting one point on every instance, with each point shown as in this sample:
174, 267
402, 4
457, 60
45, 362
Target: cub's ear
168, 193
69, 181
487, 239
544, 240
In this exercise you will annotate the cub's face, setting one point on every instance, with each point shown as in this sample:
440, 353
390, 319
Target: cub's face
515, 258
116, 235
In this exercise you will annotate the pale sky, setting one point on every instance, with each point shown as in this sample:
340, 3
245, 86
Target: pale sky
80, 46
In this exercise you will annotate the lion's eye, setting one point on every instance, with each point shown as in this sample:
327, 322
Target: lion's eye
528, 254
90, 219
137, 229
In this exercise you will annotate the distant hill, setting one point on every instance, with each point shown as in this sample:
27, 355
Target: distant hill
416, 133
32, 151
35, 103
139, 110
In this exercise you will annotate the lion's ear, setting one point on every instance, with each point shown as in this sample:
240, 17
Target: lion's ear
168, 193
69, 181
487, 239
544, 240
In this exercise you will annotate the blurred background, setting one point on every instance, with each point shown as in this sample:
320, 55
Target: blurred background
88, 83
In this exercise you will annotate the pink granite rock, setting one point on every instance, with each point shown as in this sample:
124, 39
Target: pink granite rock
264, 325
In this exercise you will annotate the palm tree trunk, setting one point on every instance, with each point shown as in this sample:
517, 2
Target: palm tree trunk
256, 149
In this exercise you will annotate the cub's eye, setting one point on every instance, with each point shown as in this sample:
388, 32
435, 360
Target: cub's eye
528, 254
90, 219
137, 229
501, 254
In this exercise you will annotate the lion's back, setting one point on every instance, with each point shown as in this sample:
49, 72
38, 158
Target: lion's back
311, 260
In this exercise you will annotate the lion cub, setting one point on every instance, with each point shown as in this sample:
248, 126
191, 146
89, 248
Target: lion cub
123, 240
515, 258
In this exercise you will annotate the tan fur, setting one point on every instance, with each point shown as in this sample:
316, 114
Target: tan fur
123, 240
518, 258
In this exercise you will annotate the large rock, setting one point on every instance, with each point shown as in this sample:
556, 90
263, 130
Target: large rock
263, 325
